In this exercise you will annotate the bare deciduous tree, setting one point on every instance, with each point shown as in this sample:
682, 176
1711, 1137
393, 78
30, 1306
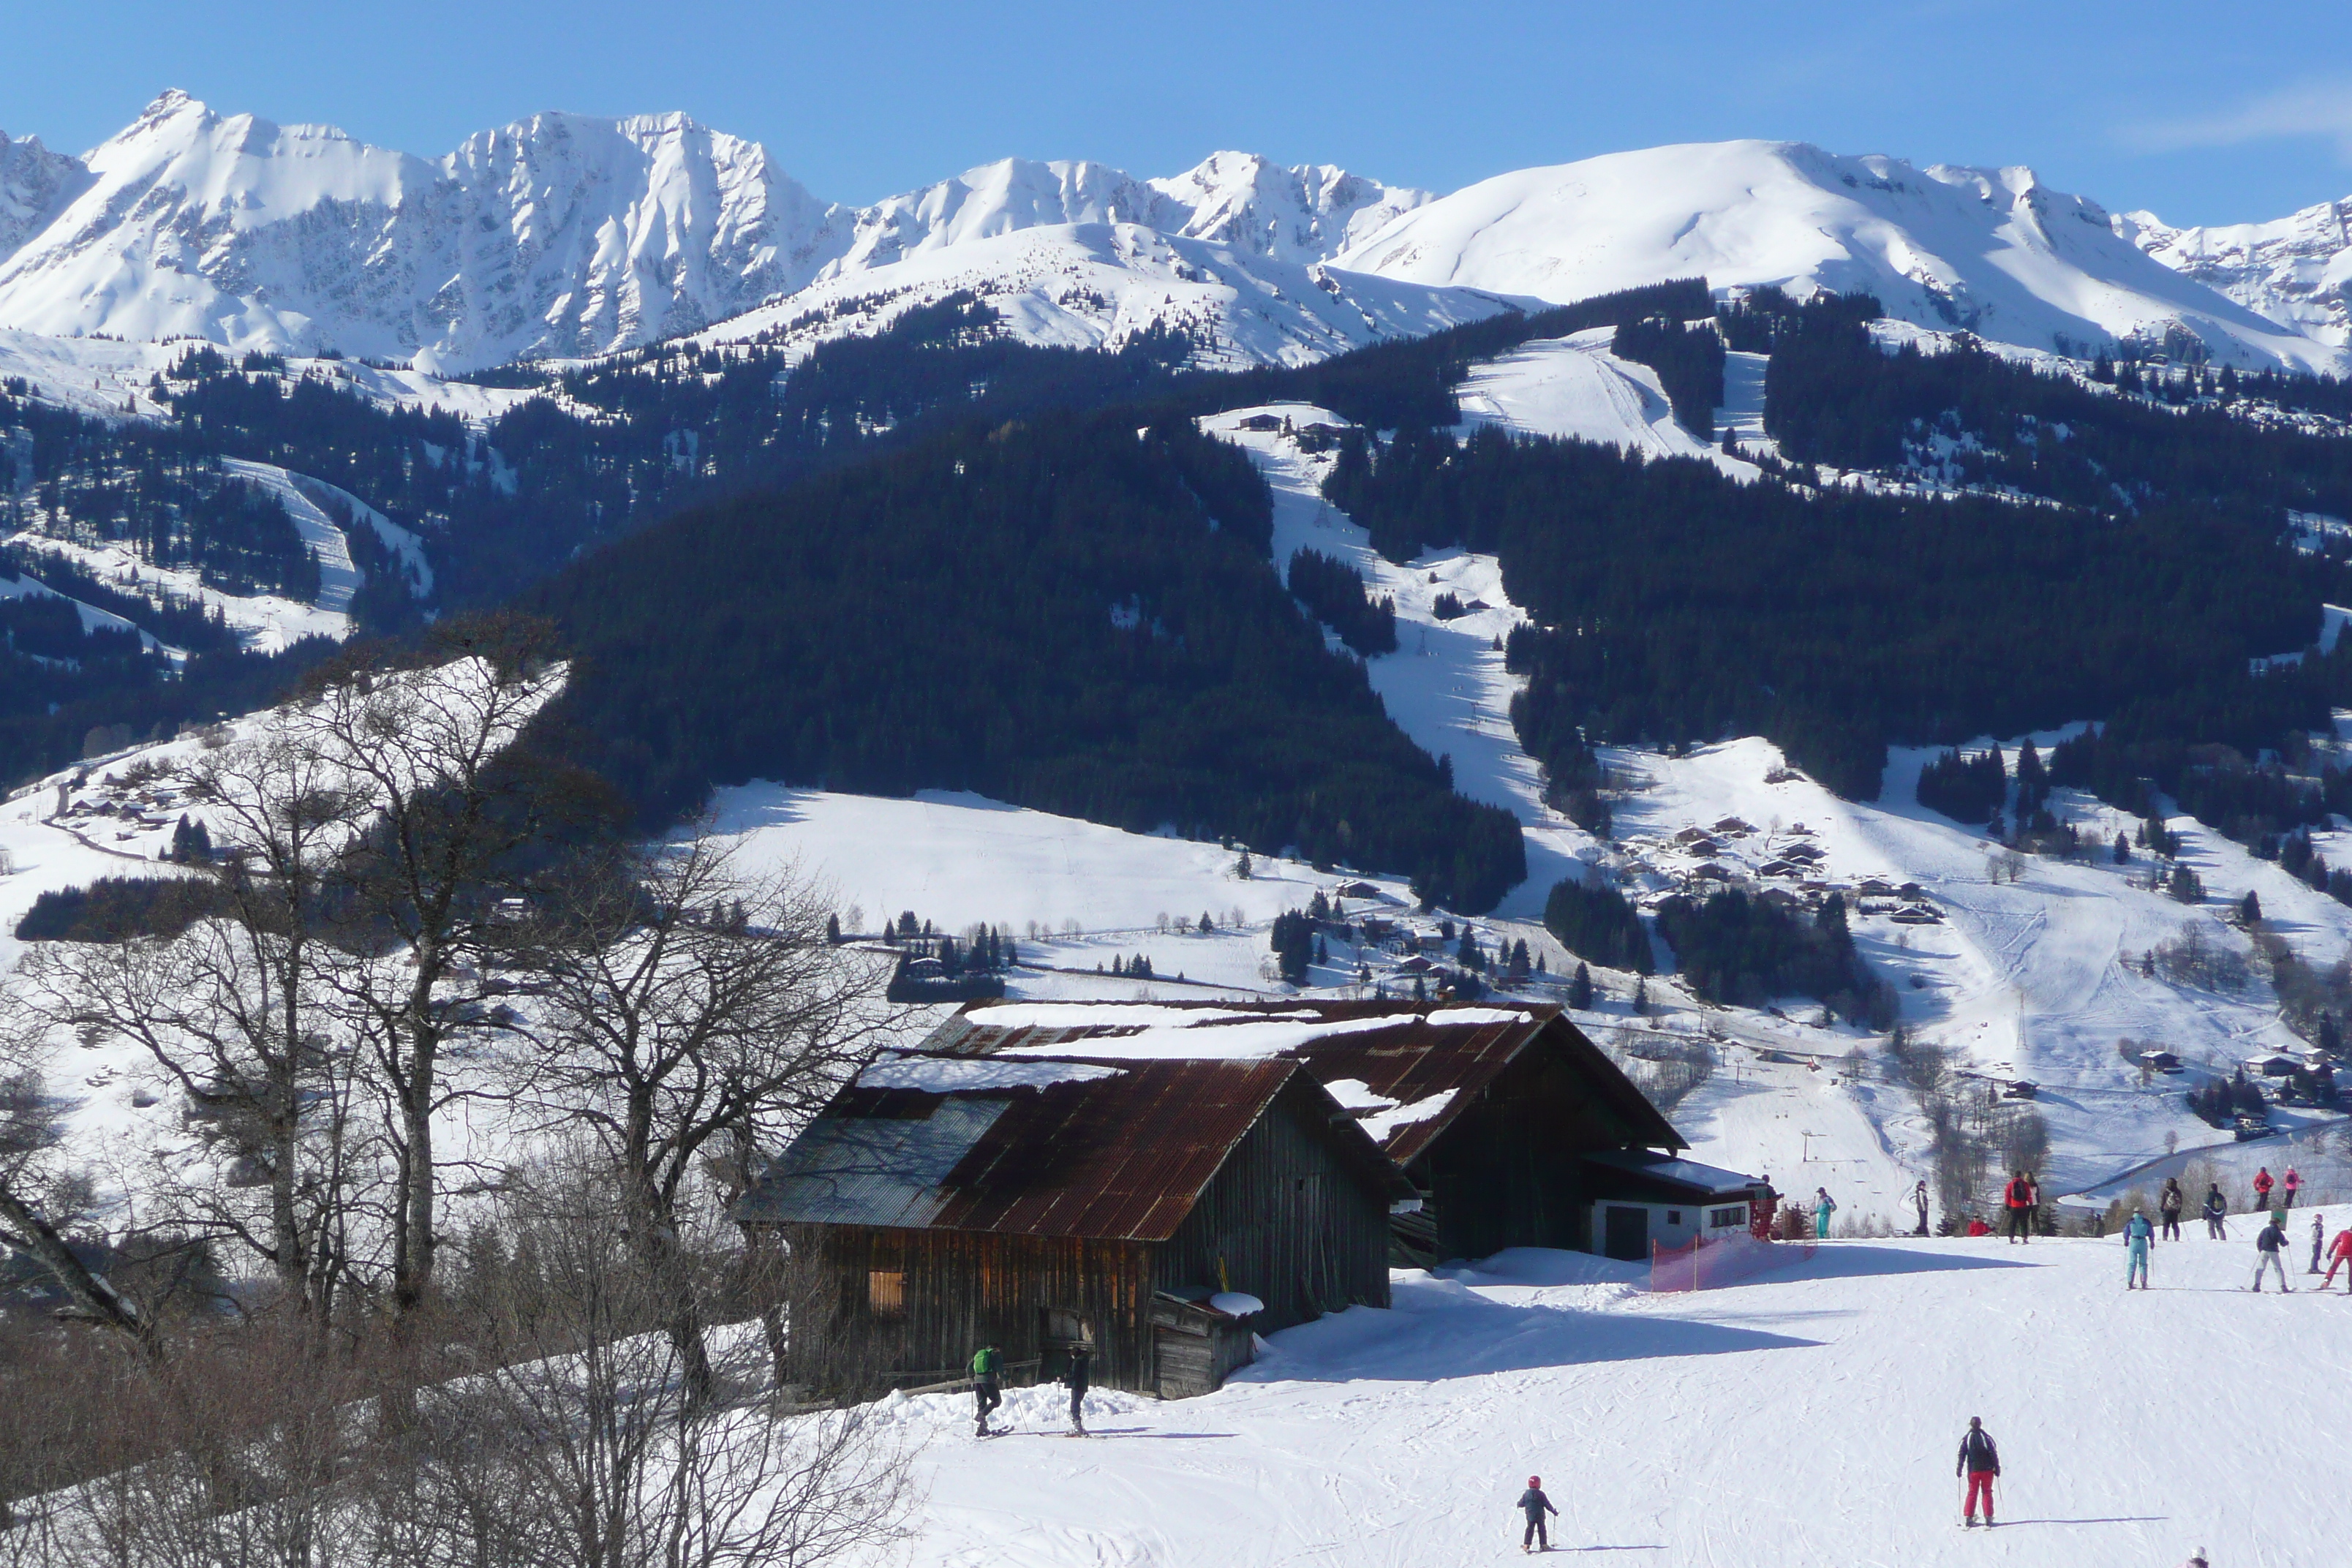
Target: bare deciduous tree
685, 1011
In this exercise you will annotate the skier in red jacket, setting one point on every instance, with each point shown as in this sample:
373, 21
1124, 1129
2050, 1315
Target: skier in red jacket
2339, 1256
2018, 1198
2262, 1185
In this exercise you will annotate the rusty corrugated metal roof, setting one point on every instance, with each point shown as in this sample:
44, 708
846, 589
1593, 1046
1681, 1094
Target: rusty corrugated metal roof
1423, 1056
1123, 1156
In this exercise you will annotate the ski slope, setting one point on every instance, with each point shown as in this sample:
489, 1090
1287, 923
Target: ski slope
1809, 1416
1574, 387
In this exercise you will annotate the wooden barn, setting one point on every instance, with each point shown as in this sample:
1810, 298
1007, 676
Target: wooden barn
1494, 1113
1037, 1205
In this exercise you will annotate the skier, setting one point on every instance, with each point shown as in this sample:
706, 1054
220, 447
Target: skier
2339, 1255
2266, 1255
2217, 1210
1976, 1225
2018, 1199
2168, 1204
2290, 1185
2263, 1185
2138, 1234
987, 1367
1825, 1206
1535, 1505
2197, 1561
1981, 1462
1919, 1201
1073, 1378
2318, 1231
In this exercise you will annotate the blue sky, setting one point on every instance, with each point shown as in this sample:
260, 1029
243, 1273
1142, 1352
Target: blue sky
2149, 104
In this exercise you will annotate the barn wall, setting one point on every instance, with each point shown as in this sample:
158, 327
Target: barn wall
961, 1290
1295, 1226
1508, 1172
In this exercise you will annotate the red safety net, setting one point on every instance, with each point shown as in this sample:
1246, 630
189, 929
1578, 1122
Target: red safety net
1707, 1265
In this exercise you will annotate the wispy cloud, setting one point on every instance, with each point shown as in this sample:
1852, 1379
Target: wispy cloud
2319, 108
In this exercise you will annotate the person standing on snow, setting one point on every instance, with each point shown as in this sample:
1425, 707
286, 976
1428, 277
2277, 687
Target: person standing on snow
1535, 1505
2339, 1255
2138, 1234
1825, 1206
2168, 1204
1073, 1378
2017, 1198
987, 1368
2263, 1185
1981, 1462
2318, 1232
2266, 1255
1919, 1201
2289, 1186
2217, 1210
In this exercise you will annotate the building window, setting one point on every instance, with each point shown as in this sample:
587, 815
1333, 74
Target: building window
1718, 1219
1673, 1216
1066, 1326
886, 1292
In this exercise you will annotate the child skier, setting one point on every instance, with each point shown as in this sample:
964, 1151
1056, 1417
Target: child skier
1535, 1505
2318, 1234
2339, 1256
2138, 1234
2266, 1255
1981, 1462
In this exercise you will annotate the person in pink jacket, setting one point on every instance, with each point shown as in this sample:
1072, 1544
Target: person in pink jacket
2290, 1185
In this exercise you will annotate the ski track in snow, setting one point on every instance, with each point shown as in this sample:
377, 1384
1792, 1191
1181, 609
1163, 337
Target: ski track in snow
1809, 1415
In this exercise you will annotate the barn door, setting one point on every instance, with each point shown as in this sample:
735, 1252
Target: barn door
1625, 1233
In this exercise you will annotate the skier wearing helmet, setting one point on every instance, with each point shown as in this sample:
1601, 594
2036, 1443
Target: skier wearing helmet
1535, 1505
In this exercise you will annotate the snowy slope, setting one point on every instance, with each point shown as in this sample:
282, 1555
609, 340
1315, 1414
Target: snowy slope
1994, 251
1807, 1417
1575, 387
2296, 271
1099, 285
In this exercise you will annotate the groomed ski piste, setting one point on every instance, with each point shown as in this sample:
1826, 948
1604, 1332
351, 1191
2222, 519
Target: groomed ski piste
1806, 1417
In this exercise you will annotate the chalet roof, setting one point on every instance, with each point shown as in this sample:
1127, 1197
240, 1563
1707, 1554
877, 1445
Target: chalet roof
1671, 1178
1051, 1149
1406, 1070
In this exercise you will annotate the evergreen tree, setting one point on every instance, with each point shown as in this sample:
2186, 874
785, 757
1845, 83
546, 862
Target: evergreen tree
833, 929
1641, 997
1579, 989
2250, 909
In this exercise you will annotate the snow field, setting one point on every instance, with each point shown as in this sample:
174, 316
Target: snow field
1574, 386
1809, 1416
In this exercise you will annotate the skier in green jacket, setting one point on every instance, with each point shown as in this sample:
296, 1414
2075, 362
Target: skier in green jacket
987, 1370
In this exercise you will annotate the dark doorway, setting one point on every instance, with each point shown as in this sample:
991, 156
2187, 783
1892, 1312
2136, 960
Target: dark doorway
1625, 1233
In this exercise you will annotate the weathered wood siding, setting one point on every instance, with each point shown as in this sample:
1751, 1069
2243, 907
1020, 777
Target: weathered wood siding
1509, 1171
1294, 1225
961, 1290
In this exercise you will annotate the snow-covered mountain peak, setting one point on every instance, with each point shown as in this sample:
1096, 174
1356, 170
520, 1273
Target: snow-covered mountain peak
1993, 250
2295, 270
1306, 213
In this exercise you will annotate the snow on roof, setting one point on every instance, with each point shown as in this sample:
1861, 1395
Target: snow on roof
1668, 1168
1168, 1039
1356, 1095
975, 1075
1382, 1124
1115, 1016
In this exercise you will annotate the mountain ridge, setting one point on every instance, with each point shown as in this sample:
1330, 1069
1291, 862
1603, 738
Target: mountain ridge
565, 237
